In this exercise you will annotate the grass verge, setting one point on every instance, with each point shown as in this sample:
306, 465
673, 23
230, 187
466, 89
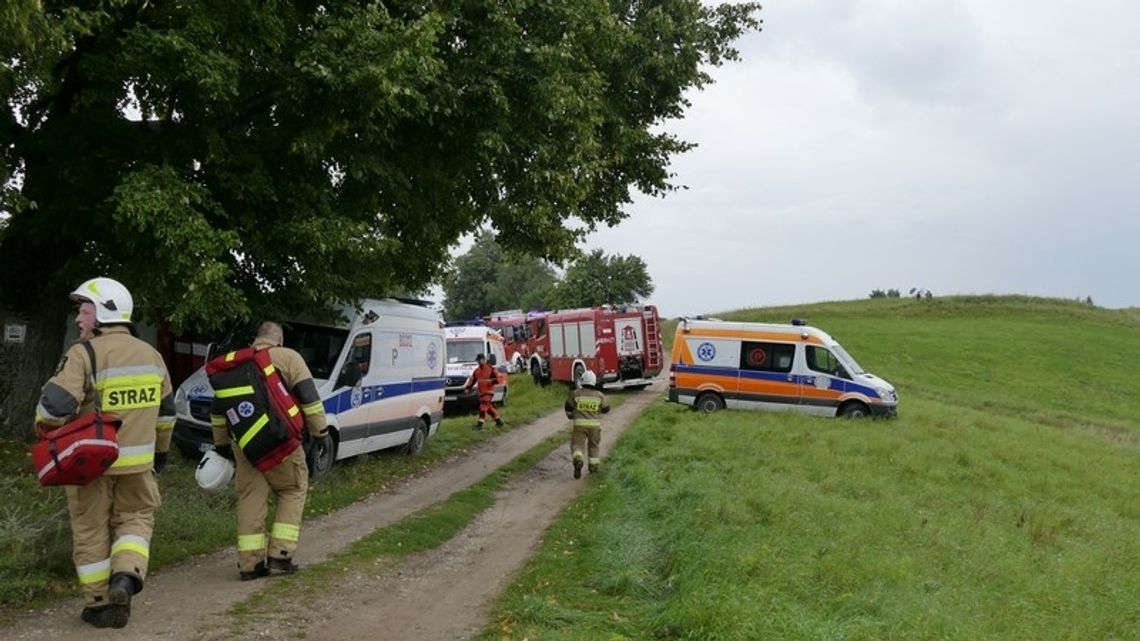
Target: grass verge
948, 523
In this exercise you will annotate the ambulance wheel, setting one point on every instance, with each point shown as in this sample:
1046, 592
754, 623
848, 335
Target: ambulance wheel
320, 460
415, 444
854, 409
709, 402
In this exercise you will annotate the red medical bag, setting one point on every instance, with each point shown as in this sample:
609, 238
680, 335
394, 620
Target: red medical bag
78, 452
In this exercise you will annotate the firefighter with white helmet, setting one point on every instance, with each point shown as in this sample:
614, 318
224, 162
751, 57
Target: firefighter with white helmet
112, 518
585, 406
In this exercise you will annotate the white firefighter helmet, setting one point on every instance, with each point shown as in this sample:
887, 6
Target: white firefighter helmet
113, 302
214, 472
588, 379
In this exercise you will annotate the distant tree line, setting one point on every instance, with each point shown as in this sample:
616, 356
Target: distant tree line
488, 278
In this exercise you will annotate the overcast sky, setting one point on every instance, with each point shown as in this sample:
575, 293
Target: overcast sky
964, 146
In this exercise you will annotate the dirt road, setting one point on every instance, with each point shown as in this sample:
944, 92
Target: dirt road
441, 594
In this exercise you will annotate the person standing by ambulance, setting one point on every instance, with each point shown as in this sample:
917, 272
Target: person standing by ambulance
484, 379
112, 518
258, 554
585, 407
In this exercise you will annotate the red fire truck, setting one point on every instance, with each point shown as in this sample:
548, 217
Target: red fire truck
518, 337
621, 344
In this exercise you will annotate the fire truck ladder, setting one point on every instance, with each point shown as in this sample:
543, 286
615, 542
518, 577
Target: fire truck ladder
652, 342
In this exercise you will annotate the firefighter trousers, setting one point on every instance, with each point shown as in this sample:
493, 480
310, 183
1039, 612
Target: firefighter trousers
112, 519
588, 440
289, 483
487, 407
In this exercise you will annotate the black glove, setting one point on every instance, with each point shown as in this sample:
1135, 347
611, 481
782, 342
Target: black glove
159, 461
226, 451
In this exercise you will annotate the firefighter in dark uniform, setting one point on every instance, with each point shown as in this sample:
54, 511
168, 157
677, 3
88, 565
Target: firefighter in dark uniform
259, 553
585, 407
484, 379
112, 518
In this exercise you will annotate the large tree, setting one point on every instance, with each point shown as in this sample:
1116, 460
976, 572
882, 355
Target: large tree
221, 156
487, 279
598, 279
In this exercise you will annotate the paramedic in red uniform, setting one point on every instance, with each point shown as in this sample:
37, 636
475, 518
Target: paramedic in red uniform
484, 379
112, 518
259, 554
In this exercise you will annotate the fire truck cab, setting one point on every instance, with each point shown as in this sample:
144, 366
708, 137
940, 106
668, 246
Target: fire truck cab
620, 344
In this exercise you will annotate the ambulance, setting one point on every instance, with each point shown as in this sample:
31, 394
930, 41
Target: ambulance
718, 364
379, 371
465, 341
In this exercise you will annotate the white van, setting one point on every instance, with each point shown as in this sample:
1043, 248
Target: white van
379, 373
718, 364
464, 343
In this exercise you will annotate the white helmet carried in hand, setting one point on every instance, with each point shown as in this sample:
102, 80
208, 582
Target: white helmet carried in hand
113, 302
214, 472
588, 379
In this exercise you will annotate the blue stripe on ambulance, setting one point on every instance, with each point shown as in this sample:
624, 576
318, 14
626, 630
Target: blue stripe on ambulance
342, 401
836, 383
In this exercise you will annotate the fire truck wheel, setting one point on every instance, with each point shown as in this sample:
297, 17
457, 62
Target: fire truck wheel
709, 402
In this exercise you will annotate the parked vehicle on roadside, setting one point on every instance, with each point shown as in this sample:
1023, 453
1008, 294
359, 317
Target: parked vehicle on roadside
620, 344
379, 371
465, 341
718, 364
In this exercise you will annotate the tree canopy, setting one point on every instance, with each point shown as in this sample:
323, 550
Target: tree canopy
486, 279
221, 156
597, 279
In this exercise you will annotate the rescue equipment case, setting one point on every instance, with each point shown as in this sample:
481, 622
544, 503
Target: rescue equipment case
261, 415
78, 452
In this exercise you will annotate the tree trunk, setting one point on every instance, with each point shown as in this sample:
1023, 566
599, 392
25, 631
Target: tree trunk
30, 347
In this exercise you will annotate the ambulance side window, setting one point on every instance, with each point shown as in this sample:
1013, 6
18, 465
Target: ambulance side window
359, 361
766, 357
822, 360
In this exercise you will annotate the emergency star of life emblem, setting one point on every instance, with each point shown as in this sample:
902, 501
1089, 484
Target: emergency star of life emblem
245, 408
357, 396
432, 355
706, 351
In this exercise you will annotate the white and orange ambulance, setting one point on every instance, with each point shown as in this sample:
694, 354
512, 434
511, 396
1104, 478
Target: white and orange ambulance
718, 364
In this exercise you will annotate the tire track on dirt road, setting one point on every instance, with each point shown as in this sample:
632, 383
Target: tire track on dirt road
187, 601
443, 594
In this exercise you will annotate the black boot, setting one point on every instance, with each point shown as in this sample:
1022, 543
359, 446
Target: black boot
95, 616
257, 572
286, 566
123, 587
577, 468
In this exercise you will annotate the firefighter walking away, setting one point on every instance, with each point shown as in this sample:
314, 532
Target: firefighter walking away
112, 517
268, 456
585, 407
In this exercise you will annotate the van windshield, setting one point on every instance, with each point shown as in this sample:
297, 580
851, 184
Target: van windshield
852, 365
319, 346
463, 351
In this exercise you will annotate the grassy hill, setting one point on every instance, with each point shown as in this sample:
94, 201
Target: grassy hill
1003, 503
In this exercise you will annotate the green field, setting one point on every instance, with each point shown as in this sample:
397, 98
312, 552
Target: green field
1004, 503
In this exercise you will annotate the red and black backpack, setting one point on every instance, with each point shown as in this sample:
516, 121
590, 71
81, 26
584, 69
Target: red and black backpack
261, 415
